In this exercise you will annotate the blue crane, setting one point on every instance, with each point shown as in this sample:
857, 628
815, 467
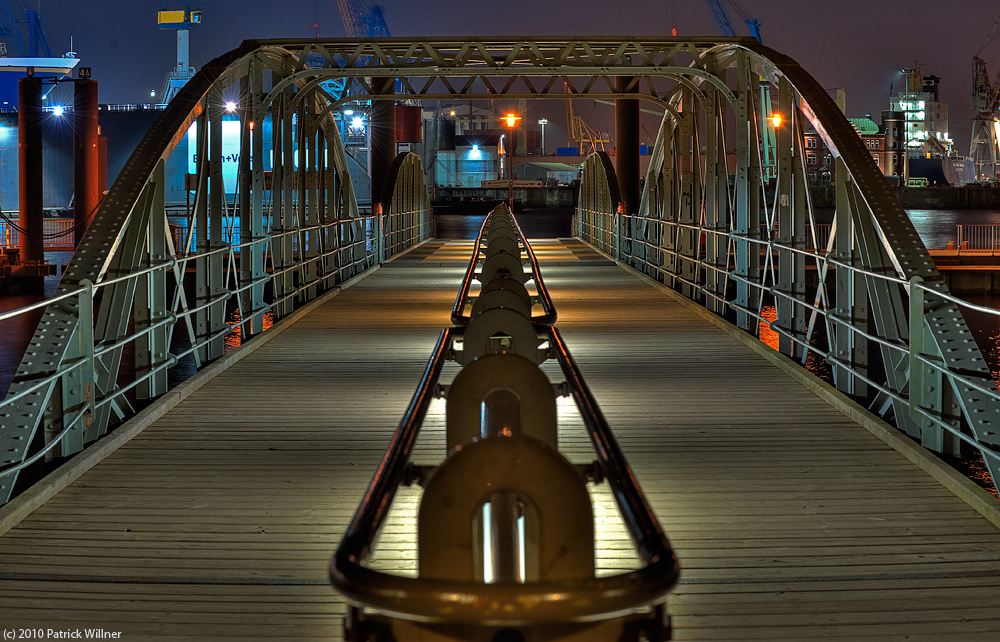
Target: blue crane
361, 21
37, 44
769, 165
726, 25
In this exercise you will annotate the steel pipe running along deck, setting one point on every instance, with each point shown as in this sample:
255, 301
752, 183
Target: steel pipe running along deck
505, 525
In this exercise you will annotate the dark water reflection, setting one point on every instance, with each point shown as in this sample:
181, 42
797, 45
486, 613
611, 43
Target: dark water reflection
536, 224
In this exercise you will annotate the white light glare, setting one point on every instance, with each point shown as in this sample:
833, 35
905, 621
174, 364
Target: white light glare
58, 110
358, 123
230, 106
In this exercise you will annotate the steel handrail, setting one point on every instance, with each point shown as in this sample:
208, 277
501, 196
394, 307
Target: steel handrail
457, 318
171, 319
651, 542
430, 600
550, 315
439, 601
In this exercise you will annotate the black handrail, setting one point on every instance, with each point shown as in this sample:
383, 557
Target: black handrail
546, 319
549, 318
456, 312
650, 540
504, 604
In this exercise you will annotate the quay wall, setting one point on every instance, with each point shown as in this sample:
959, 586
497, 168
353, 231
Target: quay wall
561, 196
972, 197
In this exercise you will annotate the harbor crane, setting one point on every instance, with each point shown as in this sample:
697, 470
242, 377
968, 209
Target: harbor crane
985, 101
36, 46
579, 134
726, 26
770, 161
182, 21
360, 21
363, 21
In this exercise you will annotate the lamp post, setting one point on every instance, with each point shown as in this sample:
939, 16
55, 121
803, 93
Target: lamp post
511, 120
543, 122
501, 152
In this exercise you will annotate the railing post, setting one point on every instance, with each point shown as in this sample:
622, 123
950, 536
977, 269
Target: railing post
851, 295
925, 383
85, 332
930, 390
380, 235
746, 218
76, 388
151, 307
917, 347
616, 236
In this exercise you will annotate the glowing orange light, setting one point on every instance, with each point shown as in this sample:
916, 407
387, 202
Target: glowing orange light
250, 124
776, 120
511, 120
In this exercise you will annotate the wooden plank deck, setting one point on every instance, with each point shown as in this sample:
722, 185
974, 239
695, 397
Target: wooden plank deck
791, 521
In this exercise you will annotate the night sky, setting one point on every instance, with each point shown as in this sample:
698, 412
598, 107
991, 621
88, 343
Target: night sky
857, 44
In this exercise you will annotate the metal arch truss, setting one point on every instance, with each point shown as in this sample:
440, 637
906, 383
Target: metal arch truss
521, 67
314, 236
711, 228
299, 229
150, 286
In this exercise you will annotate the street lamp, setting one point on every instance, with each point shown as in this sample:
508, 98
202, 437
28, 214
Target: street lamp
543, 122
511, 120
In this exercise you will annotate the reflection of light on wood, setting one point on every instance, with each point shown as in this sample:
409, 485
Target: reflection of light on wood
766, 334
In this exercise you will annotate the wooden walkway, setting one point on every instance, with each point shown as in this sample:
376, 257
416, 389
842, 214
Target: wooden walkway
791, 521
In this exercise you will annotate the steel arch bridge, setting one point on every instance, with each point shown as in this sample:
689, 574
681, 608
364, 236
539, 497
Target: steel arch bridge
707, 225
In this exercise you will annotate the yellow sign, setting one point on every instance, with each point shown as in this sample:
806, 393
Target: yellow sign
169, 17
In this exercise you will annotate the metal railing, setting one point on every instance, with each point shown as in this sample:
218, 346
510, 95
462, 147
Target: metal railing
226, 298
82, 369
922, 300
454, 603
738, 233
57, 232
977, 239
549, 315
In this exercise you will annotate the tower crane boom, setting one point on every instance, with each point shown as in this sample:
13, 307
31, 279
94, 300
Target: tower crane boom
37, 43
726, 25
984, 149
769, 164
361, 21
